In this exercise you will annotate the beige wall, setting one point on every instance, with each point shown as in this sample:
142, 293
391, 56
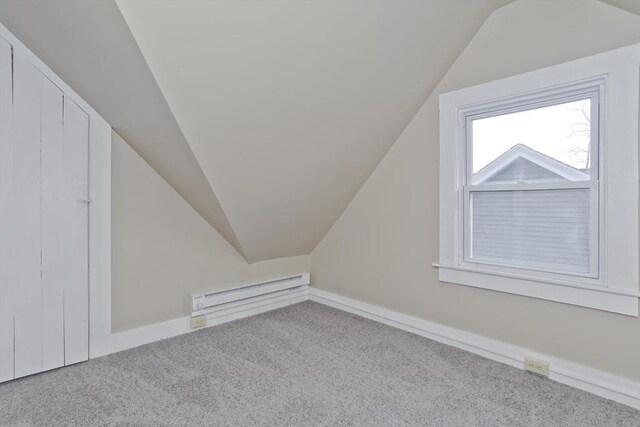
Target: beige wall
381, 249
163, 250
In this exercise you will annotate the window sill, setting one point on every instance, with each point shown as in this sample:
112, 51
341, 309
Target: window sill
568, 292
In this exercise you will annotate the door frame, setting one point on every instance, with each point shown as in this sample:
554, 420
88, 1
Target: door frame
99, 232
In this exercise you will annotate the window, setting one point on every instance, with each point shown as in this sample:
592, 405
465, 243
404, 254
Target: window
539, 185
531, 184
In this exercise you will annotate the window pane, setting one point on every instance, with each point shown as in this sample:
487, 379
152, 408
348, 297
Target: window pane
549, 144
541, 229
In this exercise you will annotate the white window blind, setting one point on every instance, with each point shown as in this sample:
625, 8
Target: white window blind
541, 229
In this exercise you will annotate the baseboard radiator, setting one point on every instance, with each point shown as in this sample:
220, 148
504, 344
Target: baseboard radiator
209, 302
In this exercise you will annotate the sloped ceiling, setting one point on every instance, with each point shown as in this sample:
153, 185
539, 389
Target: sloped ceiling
265, 116
632, 6
89, 45
289, 106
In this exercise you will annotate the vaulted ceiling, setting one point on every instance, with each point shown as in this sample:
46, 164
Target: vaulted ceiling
266, 116
288, 106
89, 45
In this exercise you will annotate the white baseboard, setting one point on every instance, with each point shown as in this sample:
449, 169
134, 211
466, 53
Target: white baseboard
579, 376
147, 334
158, 331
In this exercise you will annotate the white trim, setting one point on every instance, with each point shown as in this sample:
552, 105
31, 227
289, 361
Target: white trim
575, 375
527, 101
132, 338
147, 334
575, 179
478, 188
99, 240
100, 206
617, 74
568, 292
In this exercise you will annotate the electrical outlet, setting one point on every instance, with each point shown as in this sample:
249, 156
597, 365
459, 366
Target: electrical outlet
198, 322
537, 366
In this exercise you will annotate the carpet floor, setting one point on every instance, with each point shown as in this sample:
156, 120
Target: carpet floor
306, 364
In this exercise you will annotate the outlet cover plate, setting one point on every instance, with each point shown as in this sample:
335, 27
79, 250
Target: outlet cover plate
198, 322
537, 366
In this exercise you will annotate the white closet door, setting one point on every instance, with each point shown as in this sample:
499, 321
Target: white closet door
52, 163
65, 137
25, 219
44, 299
74, 223
6, 309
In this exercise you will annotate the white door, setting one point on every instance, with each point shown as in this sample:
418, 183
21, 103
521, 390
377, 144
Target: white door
44, 140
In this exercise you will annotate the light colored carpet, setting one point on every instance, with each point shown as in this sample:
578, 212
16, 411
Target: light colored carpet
305, 364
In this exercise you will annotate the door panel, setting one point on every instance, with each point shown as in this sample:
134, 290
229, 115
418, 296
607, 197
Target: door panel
6, 309
26, 219
54, 252
75, 244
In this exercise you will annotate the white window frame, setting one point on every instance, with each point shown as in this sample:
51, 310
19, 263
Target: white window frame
593, 90
613, 281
